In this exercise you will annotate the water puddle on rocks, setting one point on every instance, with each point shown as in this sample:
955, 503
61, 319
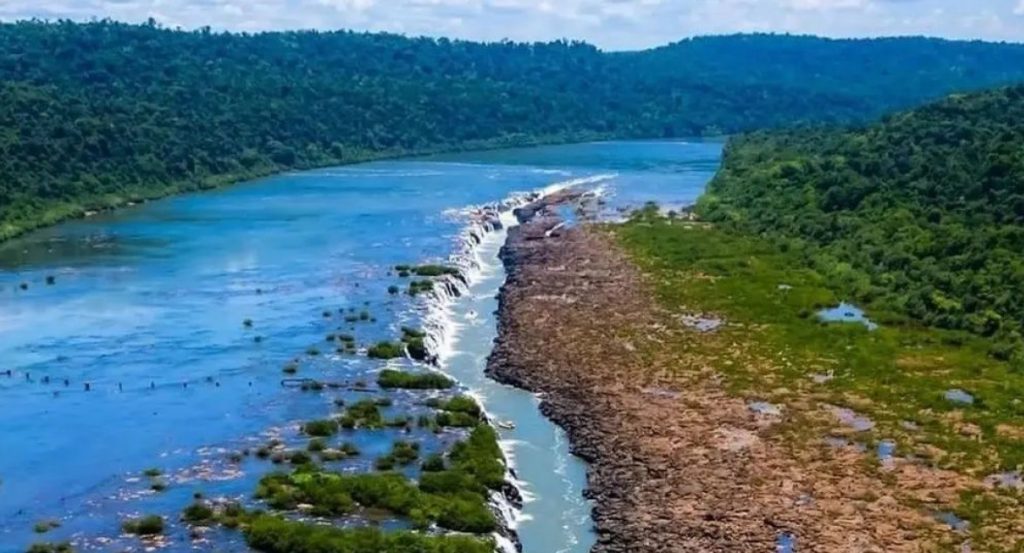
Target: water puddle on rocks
854, 420
955, 523
785, 543
1012, 480
957, 395
846, 313
701, 323
886, 450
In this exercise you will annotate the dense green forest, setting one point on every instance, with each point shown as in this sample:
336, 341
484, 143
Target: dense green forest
94, 115
921, 214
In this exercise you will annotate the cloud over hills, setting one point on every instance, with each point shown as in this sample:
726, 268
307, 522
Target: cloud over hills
614, 24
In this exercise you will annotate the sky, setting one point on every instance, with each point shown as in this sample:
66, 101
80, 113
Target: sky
610, 24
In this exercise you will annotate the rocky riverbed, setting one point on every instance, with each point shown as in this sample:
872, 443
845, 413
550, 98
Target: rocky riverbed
676, 462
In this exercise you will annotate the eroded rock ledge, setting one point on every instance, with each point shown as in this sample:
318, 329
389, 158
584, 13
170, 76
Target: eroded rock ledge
676, 464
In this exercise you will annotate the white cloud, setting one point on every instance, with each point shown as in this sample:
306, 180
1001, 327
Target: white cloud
615, 24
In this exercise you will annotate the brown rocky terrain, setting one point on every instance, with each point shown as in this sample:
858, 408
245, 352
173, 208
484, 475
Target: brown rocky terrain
677, 463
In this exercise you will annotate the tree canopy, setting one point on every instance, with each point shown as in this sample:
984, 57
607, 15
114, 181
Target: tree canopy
921, 214
97, 114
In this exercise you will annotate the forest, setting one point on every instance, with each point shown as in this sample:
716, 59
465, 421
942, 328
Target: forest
95, 115
920, 215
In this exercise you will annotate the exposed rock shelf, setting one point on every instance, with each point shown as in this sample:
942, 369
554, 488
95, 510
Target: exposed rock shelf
676, 463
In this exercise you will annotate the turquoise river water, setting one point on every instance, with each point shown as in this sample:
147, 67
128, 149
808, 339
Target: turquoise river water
147, 305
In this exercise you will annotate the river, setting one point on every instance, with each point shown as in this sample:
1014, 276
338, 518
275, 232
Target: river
137, 355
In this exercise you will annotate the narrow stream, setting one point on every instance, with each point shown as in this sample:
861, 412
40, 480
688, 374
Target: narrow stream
555, 517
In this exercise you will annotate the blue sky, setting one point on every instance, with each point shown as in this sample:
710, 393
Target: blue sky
611, 24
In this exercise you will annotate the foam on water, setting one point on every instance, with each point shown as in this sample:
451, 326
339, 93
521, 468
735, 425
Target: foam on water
465, 305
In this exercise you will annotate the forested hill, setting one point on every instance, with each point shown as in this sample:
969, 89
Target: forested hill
93, 115
921, 214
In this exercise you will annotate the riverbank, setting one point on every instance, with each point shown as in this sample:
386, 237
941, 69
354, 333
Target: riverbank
695, 441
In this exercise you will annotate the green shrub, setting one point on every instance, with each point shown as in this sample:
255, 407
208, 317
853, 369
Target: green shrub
417, 287
63, 547
456, 420
321, 428
299, 457
384, 463
364, 413
316, 445
405, 453
460, 404
350, 449
150, 525
393, 290
480, 455
390, 378
385, 350
433, 463
275, 535
197, 513
409, 332
45, 526
434, 270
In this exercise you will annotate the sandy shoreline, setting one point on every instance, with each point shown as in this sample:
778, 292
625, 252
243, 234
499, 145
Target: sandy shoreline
676, 463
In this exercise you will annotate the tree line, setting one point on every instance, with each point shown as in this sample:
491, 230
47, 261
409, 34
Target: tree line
93, 115
921, 214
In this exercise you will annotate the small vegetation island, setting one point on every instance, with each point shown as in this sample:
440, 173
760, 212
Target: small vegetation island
440, 494
450, 492
101, 114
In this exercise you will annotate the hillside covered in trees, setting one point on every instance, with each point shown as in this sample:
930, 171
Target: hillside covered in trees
94, 115
920, 215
